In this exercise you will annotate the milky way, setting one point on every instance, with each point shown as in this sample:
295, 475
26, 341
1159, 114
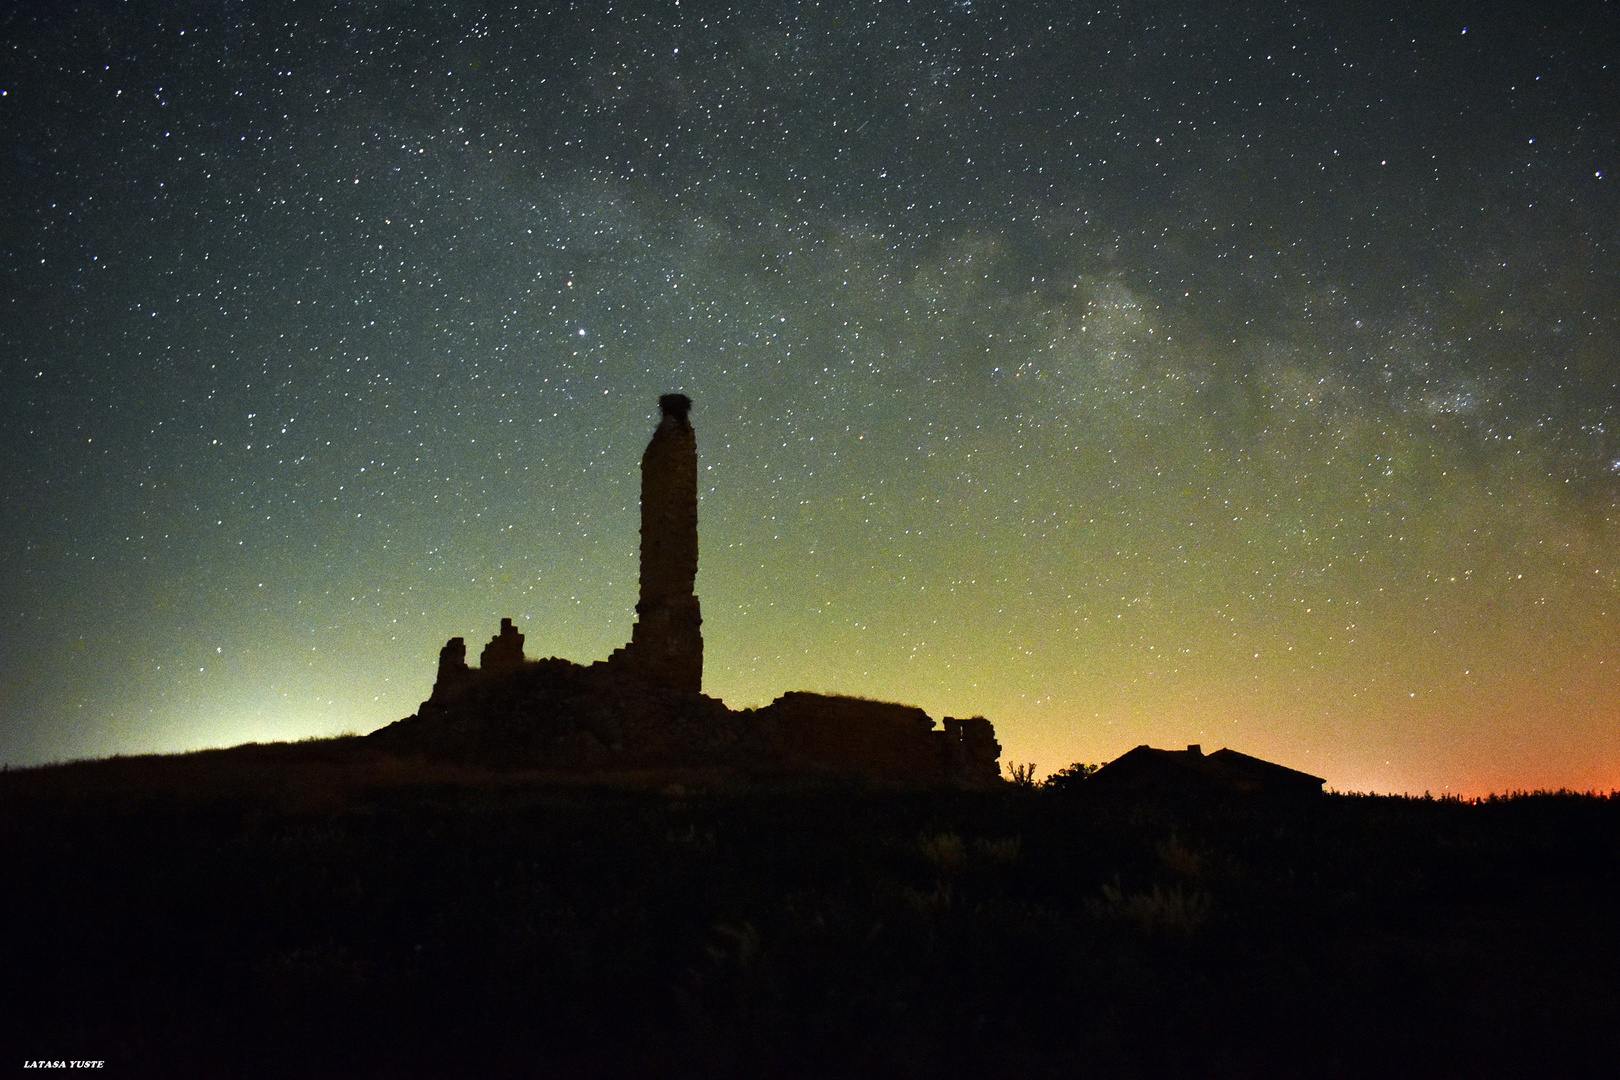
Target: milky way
1235, 374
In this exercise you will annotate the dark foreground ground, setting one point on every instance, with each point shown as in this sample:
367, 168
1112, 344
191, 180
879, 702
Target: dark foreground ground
318, 910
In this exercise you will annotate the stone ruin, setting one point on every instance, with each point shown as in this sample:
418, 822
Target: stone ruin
666, 647
644, 707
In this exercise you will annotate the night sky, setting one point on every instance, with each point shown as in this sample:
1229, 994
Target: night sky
1239, 374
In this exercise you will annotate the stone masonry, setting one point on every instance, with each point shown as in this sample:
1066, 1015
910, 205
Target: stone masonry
644, 708
666, 644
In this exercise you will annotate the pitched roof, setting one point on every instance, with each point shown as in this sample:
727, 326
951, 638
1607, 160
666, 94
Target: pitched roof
1267, 773
1147, 768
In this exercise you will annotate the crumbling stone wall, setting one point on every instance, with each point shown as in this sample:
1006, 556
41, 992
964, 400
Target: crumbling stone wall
504, 651
882, 740
972, 754
503, 654
555, 714
454, 674
876, 738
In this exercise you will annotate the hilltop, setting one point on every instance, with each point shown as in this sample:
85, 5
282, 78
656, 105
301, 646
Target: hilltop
323, 909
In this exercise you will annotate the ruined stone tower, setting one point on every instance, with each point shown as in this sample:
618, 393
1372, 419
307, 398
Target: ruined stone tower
666, 646
643, 708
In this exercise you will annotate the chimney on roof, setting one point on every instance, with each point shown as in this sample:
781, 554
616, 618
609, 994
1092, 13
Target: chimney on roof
1195, 749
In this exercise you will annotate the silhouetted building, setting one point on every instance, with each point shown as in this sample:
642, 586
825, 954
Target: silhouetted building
882, 739
504, 651
644, 707
972, 754
1146, 769
454, 674
666, 647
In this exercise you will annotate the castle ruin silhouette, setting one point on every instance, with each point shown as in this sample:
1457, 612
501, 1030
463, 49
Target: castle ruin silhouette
644, 706
666, 646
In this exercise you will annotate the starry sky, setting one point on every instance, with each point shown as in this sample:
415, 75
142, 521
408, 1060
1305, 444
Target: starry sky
1245, 374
